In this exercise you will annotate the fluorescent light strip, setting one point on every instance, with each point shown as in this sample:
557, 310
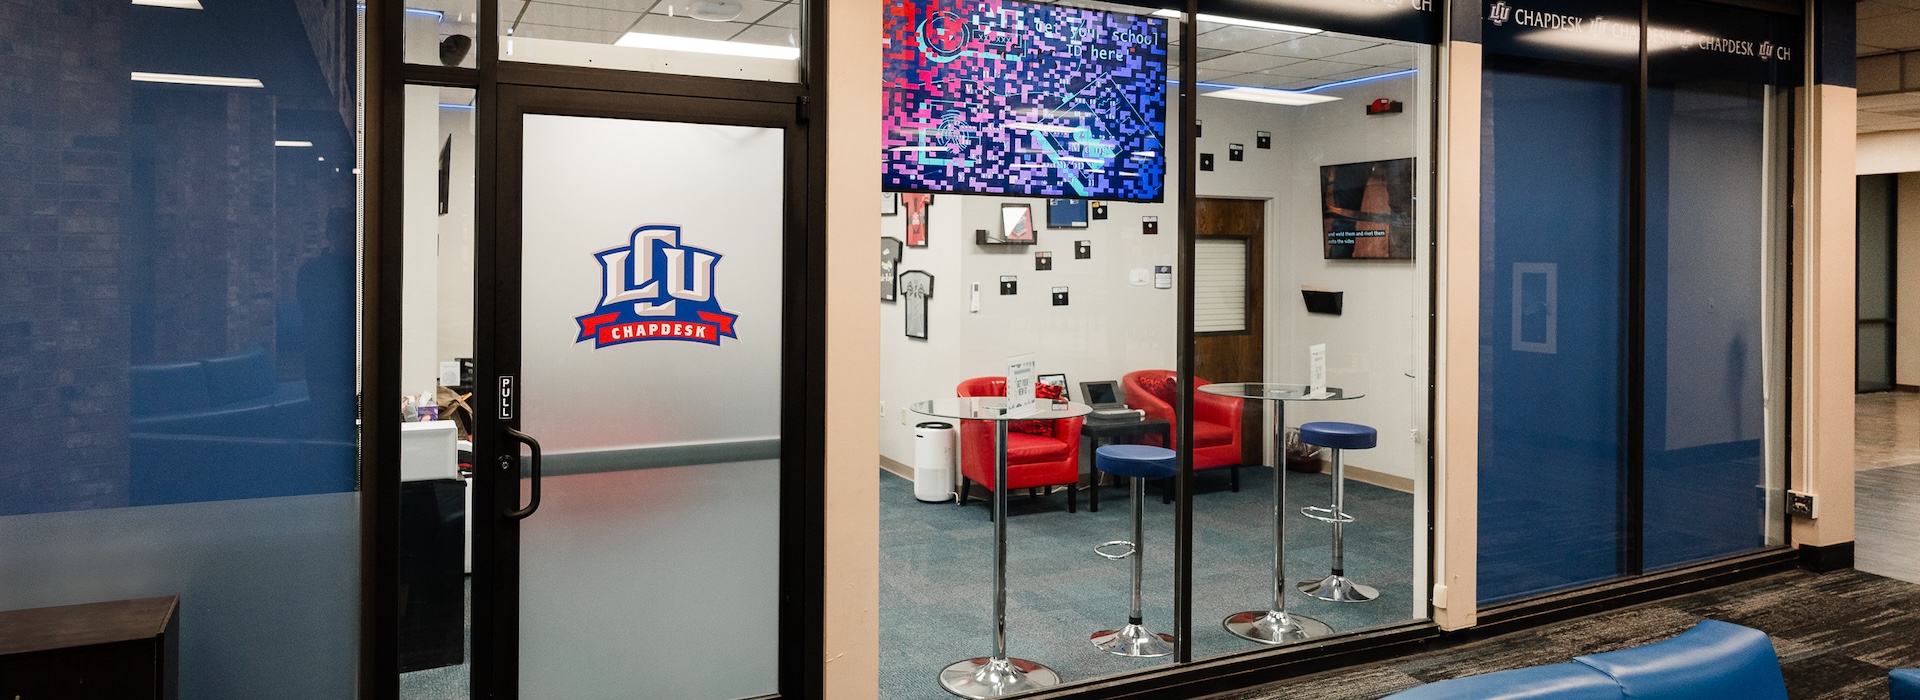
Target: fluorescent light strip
175, 4
1236, 21
1049, 128
181, 79
1256, 24
444, 105
641, 40
1368, 79
294, 144
436, 14
1267, 95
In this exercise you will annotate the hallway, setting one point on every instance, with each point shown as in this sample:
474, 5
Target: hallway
1887, 484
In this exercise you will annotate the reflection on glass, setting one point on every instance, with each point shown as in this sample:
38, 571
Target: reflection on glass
440, 33
177, 281
436, 339
1310, 190
975, 289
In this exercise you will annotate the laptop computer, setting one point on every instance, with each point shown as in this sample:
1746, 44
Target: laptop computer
1106, 399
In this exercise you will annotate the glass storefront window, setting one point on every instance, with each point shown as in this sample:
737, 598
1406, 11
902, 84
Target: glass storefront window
441, 33
744, 39
177, 329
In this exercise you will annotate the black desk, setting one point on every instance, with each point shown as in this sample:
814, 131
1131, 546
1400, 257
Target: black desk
1099, 431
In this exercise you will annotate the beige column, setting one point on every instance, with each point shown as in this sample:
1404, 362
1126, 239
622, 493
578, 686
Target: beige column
1457, 422
851, 634
1823, 317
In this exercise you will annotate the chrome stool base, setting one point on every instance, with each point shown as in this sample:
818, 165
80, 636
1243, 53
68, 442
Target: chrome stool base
985, 677
1274, 626
1134, 640
1336, 588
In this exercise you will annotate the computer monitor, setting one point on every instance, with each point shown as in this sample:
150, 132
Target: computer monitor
1104, 394
1056, 380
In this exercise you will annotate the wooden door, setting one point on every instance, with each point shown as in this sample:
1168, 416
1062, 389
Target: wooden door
1228, 330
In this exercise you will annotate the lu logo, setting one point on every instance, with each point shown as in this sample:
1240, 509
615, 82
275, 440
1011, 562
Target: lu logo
653, 288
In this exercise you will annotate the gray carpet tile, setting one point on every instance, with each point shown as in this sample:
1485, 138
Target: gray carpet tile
935, 580
1836, 634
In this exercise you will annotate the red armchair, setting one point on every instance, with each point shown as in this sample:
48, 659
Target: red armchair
1216, 419
1039, 452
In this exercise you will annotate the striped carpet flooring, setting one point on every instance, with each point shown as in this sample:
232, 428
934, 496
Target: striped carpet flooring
1837, 635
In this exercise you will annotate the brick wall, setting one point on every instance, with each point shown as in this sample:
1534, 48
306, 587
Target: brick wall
63, 243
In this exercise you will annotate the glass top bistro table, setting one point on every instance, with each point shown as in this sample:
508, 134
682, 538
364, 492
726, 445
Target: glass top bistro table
996, 675
1275, 625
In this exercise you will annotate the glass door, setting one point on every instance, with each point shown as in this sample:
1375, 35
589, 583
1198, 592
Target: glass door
639, 384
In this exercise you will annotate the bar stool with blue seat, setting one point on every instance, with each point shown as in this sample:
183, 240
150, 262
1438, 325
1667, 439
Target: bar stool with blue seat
1337, 437
1137, 463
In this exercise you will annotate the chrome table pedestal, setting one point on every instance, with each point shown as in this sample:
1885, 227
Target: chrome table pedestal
1275, 625
997, 675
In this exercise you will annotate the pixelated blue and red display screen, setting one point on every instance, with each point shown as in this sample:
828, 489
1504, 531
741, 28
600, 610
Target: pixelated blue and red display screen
1006, 97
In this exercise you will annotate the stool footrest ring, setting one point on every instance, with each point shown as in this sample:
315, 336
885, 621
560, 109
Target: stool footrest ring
1328, 515
1101, 549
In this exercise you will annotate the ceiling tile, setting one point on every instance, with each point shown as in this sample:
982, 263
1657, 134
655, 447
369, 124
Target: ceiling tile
1865, 50
1234, 38
1259, 80
1896, 31
1314, 69
1208, 76
1247, 62
687, 27
787, 16
1869, 9
1393, 55
558, 15
750, 10
772, 36
1316, 46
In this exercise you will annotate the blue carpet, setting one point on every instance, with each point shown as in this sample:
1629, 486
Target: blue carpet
936, 579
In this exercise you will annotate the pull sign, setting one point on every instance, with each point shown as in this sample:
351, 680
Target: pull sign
506, 397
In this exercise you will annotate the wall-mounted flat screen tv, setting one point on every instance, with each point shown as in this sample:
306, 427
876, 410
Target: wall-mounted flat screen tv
1015, 98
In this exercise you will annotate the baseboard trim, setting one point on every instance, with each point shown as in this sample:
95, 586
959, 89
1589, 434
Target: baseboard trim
896, 468
1821, 559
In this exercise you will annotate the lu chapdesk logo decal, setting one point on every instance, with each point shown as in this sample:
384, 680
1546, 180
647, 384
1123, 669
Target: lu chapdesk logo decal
653, 288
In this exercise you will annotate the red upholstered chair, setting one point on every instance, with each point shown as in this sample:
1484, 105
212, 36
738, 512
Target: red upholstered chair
1039, 452
1216, 419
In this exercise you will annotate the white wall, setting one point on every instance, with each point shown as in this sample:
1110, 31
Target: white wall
419, 315
1906, 366
1379, 344
456, 239
1111, 327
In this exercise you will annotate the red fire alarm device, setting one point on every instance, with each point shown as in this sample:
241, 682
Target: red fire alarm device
1383, 106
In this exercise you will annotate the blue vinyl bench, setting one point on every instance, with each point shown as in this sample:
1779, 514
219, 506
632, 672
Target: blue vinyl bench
1712, 660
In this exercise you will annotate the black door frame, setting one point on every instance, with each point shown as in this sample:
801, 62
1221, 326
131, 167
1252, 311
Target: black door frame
800, 108
496, 585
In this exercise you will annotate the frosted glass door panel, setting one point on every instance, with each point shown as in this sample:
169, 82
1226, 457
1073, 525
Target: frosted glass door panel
590, 185
650, 373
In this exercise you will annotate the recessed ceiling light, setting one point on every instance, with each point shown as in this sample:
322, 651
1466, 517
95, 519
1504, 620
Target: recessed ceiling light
175, 4
1270, 96
641, 40
294, 144
182, 79
714, 10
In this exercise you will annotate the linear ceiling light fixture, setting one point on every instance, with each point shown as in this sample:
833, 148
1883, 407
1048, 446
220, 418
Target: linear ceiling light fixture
183, 79
1267, 95
175, 4
294, 144
640, 40
1236, 21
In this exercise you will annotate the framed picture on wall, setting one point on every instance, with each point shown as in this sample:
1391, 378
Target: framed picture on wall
1368, 210
916, 205
1067, 213
889, 203
917, 287
890, 251
1016, 227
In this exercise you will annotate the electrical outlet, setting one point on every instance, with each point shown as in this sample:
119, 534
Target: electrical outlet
1802, 505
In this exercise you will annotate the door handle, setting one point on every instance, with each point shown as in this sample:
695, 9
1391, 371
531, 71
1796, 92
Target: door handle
533, 503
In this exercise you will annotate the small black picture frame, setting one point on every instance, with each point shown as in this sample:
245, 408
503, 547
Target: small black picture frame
1206, 161
1042, 260
1263, 139
1236, 151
